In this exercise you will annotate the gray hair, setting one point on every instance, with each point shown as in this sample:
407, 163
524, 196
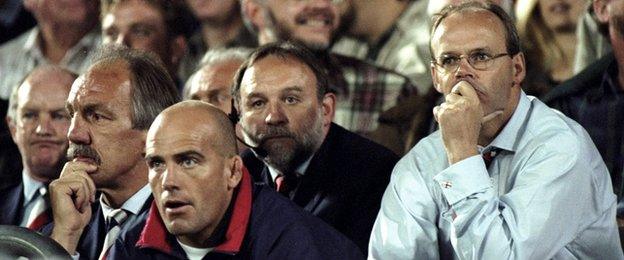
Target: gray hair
13, 99
152, 91
215, 57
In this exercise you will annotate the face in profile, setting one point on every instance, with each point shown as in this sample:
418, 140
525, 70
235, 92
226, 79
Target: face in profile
101, 131
313, 23
281, 112
41, 122
191, 176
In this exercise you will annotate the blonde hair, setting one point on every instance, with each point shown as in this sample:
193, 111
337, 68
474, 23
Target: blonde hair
538, 40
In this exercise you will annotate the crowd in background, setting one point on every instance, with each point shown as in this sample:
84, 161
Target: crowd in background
377, 77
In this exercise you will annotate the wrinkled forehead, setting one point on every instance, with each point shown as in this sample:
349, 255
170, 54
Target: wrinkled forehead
107, 80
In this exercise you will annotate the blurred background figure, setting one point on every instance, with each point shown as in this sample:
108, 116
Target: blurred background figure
220, 26
158, 26
212, 81
67, 33
548, 32
592, 39
14, 19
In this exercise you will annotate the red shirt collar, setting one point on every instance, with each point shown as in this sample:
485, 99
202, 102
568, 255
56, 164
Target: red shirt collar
154, 234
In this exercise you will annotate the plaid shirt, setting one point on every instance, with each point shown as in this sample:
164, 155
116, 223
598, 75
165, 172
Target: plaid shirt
404, 48
22, 54
595, 100
364, 91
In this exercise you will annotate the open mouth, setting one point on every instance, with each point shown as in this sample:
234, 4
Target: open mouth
315, 20
175, 206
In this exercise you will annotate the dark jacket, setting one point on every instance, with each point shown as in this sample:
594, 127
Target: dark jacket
92, 238
262, 225
595, 100
11, 200
343, 183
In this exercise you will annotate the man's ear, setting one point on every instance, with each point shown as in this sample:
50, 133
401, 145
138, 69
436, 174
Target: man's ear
235, 173
601, 10
434, 78
329, 108
252, 10
11, 124
519, 68
178, 49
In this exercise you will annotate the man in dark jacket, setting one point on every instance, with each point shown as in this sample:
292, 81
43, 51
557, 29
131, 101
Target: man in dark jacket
286, 111
205, 205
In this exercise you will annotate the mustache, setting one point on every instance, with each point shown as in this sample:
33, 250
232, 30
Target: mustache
274, 131
81, 150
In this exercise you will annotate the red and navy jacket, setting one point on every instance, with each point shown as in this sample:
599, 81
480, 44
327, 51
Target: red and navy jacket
262, 225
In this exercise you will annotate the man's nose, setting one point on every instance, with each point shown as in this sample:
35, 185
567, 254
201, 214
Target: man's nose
275, 115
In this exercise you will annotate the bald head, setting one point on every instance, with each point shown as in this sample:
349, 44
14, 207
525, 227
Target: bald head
198, 121
45, 76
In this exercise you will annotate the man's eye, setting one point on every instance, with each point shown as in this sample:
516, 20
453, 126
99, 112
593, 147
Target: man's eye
257, 104
188, 163
291, 100
29, 115
156, 165
480, 56
451, 60
60, 116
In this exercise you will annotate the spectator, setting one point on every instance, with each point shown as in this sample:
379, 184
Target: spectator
506, 177
111, 107
221, 26
38, 123
158, 26
592, 40
66, 35
206, 206
548, 33
286, 111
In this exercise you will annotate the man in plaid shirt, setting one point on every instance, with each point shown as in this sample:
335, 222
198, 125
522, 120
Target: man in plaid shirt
364, 91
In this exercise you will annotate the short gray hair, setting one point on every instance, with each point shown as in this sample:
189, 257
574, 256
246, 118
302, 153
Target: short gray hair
215, 57
152, 91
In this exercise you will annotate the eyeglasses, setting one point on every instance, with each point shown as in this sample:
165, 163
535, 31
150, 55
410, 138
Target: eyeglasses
479, 60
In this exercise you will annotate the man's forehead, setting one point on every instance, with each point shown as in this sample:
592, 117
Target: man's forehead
467, 31
275, 73
106, 80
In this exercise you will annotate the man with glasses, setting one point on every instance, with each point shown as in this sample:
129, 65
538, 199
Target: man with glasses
505, 176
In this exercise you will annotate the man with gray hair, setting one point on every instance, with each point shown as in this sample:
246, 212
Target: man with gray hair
38, 124
214, 77
111, 107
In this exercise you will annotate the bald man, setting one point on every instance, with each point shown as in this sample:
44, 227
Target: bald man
206, 206
38, 123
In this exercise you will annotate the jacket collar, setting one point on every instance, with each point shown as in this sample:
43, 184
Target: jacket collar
154, 234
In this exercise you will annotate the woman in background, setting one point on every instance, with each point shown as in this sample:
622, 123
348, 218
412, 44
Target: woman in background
547, 30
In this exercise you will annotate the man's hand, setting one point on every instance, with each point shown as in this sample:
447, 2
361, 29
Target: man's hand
71, 196
460, 118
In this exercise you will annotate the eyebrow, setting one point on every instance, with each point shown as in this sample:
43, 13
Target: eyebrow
293, 89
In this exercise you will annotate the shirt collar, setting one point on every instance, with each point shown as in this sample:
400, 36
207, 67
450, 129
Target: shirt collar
506, 139
300, 170
87, 42
154, 234
31, 186
133, 204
